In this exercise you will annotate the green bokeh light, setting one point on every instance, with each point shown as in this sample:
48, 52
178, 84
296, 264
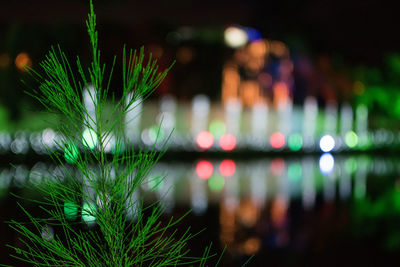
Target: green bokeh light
295, 171
71, 153
88, 213
89, 138
351, 139
350, 166
70, 211
295, 142
216, 183
217, 128
118, 148
156, 182
156, 133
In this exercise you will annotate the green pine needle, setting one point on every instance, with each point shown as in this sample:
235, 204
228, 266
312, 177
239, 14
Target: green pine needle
93, 184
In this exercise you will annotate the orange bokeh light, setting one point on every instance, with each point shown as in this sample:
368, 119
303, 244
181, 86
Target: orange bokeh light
22, 61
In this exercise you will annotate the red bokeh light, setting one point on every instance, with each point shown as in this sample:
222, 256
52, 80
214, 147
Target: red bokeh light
204, 169
227, 168
205, 140
227, 142
277, 140
277, 166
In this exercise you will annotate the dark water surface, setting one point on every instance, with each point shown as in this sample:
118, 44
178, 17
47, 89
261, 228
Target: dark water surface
318, 210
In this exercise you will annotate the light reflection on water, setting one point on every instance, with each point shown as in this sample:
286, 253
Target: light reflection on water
227, 181
248, 193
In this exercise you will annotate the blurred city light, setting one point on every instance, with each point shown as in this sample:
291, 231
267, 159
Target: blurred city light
351, 139
350, 165
155, 182
23, 61
326, 163
253, 34
277, 140
227, 168
200, 113
156, 134
295, 142
227, 142
71, 153
295, 171
216, 183
204, 169
20, 144
217, 128
70, 211
48, 137
47, 233
327, 143
235, 37
89, 138
205, 140
277, 166
88, 213
279, 49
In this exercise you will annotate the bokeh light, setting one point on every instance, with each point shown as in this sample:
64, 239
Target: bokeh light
70, 211
156, 182
204, 169
295, 142
350, 165
327, 143
227, 168
88, 213
277, 140
235, 37
156, 133
227, 142
295, 171
71, 153
253, 34
277, 166
216, 183
89, 138
217, 128
22, 61
205, 140
47, 233
326, 163
351, 139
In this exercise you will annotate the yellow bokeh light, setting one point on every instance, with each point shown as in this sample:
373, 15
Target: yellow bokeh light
22, 61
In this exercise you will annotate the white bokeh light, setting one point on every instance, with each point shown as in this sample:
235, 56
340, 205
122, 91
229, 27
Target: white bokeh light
326, 163
235, 37
327, 143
